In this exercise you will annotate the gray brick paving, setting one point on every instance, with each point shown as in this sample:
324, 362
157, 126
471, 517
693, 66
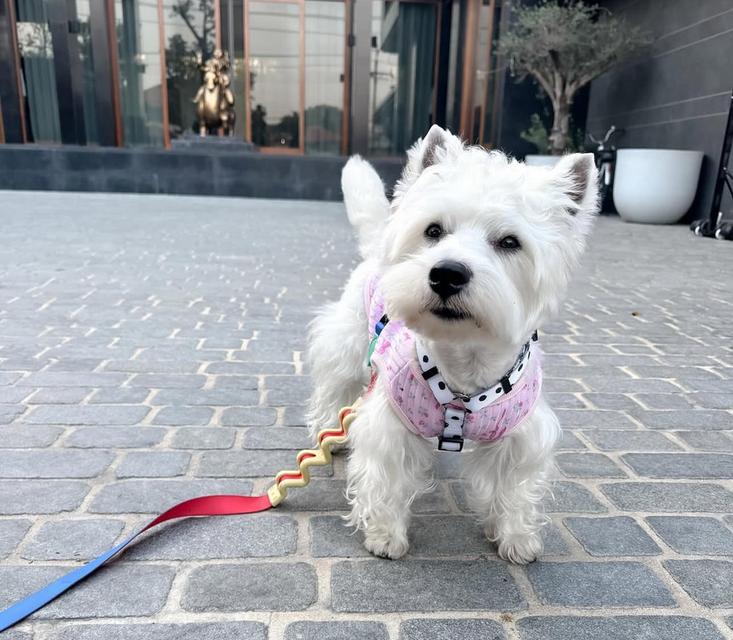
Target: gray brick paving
11, 533
617, 628
191, 631
451, 629
105, 594
683, 465
54, 463
24, 436
117, 437
152, 496
600, 584
257, 536
153, 464
336, 630
143, 361
423, 585
707, 581
669, 497
261, 587
615, 536
72, 539
631, 441
40, 496
588, 465
694, 535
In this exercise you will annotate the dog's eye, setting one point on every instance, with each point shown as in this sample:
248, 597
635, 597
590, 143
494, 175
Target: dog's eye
434, 231
510, 243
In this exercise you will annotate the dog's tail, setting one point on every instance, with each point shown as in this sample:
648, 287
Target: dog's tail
366, 204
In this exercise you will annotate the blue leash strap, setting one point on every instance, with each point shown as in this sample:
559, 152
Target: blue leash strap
21, 610
196, 507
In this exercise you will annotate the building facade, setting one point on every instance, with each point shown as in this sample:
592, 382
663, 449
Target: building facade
309, 77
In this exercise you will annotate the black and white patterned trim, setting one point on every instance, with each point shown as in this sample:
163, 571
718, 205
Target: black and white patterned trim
452, 438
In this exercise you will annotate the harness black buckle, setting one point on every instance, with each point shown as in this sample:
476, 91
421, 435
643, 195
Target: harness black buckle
454, 443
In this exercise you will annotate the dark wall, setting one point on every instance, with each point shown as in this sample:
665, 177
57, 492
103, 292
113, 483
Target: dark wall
677, 94
259, 175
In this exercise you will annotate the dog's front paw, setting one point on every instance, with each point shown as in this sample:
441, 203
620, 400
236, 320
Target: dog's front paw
521, 549
386, 546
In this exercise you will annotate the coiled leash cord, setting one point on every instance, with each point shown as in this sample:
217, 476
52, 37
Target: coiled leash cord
223, 505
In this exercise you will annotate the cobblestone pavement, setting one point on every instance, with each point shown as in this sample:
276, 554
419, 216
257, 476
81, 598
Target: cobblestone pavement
150, 351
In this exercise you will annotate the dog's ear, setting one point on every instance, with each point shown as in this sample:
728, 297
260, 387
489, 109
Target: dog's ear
436, 146
427, 148
577, 176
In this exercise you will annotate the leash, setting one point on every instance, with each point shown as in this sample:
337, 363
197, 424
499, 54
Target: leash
218, 505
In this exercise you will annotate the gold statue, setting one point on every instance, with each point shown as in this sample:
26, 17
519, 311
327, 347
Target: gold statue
214, 100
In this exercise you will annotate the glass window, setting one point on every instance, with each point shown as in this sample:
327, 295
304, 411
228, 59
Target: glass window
140, 77
481, 70
324, 75
87, 69
402, 74
232, 39
189, 30
37, 68
275, 73
492, 110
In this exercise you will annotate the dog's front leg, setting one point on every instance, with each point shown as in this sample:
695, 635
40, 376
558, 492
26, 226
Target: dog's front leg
388, 467
507, 481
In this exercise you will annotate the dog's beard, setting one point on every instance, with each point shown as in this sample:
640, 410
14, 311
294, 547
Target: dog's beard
451, 311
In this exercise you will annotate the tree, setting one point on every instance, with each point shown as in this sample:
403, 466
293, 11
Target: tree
186, 10
563, 46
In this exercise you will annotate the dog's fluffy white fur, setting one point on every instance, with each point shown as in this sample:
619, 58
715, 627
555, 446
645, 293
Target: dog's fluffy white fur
478, 198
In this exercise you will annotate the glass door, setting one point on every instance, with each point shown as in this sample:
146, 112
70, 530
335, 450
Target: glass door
296, 75
403, 69
275, 51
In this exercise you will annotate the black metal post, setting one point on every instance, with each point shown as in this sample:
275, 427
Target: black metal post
722, 177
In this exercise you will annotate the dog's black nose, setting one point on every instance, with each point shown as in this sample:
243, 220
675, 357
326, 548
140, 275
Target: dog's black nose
448, 277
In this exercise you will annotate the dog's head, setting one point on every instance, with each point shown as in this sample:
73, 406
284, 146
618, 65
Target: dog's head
481, 246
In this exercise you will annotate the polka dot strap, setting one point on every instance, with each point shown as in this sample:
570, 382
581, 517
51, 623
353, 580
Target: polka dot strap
444, 395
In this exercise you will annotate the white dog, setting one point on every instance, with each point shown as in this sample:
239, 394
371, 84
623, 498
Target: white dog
471, 257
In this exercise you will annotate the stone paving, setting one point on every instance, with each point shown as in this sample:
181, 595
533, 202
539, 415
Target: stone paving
151, 350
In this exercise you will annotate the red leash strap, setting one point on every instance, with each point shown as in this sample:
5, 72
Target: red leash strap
194, 508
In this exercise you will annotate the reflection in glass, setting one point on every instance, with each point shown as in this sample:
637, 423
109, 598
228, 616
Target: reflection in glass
39, 78
274, 68
324, 71
87, 67
402, 72
139, 58
232, 39
189, 29
481, 74
492, 111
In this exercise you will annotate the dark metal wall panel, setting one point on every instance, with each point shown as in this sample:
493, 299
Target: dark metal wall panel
104, 78
676, 95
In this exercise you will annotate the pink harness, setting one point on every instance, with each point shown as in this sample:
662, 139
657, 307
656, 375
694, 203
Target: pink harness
423, 401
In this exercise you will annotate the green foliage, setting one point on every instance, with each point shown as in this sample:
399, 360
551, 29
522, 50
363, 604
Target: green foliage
570, 40
563, 45
537, 134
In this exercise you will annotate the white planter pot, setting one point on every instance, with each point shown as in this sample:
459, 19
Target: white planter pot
536, 160
655, 186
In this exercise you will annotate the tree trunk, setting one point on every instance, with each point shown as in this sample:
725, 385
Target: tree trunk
560, 135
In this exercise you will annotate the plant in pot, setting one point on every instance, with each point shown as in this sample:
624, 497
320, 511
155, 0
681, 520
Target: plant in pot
539, 138
563, 46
